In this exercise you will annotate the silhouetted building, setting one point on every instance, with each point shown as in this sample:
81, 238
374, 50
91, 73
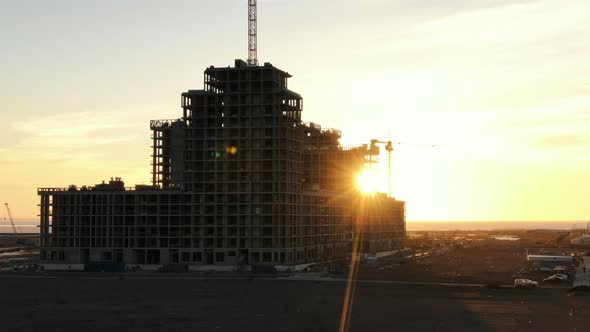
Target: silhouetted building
238, 180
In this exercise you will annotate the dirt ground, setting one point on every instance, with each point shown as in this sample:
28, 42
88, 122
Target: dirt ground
184, 303
9, 239
12, 254
468, 257
156, 302
483, 264
450, 256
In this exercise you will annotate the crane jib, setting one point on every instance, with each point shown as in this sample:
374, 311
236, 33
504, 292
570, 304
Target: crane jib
10, 217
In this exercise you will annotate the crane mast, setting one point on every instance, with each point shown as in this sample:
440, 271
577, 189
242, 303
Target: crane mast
389, 149
252, 34
10, 217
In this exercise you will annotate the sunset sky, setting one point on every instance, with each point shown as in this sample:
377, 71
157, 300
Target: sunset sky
502, 86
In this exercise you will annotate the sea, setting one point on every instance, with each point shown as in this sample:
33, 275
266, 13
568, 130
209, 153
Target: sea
492, 225
30, 226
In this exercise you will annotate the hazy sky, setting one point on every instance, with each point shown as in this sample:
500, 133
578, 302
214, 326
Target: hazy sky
504, 86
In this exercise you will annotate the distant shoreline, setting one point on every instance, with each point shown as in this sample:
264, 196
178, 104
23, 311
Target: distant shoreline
30, 227
492, 225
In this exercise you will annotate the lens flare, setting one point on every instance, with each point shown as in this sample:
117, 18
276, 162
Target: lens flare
367, 181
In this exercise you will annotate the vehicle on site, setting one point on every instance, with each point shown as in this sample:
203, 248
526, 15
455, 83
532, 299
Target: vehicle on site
556, 278
525, 283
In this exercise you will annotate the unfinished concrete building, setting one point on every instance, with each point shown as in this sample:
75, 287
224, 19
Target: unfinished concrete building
238, 180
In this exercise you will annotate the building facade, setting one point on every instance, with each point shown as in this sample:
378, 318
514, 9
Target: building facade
239, 179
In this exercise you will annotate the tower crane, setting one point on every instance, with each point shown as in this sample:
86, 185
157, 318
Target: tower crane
10, 217
389, 149
374, 150
252, 33
18, 240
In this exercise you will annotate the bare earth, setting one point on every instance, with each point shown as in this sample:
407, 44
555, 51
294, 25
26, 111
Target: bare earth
191, 302
183, 303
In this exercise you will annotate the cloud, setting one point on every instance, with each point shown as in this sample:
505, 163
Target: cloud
515, 24
506, 52
81, 137
71, 124
9, 136
506, 81
561, 141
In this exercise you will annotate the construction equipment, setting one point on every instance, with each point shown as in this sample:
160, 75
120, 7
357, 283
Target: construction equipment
20, 241
389, 149
252, 33
374, 150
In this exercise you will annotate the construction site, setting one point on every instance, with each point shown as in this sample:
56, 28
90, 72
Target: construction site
238, 180
254, 218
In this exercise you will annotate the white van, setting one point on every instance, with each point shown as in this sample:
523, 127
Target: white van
525, 283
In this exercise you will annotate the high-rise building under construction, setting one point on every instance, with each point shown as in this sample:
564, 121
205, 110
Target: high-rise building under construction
238, 180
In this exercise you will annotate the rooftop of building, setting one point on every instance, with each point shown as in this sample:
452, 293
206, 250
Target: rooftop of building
240, 64
115, 184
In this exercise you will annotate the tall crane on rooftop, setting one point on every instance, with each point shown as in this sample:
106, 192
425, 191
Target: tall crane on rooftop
252, 33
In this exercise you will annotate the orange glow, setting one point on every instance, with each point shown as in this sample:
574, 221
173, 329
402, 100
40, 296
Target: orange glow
367, 181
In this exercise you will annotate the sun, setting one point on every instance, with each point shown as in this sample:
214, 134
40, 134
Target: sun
367, 181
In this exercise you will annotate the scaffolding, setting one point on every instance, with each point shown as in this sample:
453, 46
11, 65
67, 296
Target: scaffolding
239, 179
